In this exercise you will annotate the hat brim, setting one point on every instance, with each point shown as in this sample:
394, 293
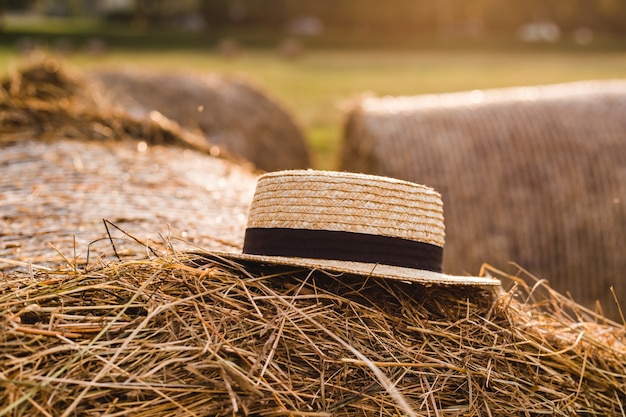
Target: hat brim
420, 276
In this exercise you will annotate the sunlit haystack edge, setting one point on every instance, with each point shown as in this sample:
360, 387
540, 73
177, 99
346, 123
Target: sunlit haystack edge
532, 175
180, 334
49, 100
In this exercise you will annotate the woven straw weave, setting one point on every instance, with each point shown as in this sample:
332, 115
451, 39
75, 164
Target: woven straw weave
533, 175
348, 202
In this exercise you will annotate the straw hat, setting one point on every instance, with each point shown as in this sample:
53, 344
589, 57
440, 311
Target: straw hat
349, 223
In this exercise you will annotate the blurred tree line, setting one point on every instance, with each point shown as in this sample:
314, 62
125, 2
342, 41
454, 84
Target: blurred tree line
424, 16
419, 17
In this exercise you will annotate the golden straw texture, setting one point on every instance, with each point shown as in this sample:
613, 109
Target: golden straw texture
321, 200
194, 336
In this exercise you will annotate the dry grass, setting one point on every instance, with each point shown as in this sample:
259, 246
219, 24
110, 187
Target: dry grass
182, 334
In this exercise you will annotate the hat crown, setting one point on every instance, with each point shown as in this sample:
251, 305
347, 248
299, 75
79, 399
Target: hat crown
348, 202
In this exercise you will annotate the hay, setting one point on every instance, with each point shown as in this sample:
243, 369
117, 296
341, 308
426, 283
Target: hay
226, 117
231, 112
531, 175
48, 100
175, 333
59, 192
68, 162
189, 335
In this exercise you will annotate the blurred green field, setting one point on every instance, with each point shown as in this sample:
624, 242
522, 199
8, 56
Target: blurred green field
318, 86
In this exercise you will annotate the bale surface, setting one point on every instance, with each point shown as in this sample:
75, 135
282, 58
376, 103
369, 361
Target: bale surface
59, 192
230, 112
193, 336
68, 162
535, 176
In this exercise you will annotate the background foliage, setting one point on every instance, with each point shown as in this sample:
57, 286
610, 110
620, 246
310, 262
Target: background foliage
385, 18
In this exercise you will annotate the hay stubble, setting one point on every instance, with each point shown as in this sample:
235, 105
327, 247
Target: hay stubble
194, 335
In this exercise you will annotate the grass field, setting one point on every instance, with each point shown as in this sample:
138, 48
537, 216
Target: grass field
318, 86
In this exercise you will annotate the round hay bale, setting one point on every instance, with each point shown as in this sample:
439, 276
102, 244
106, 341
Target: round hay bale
532, 175
230, 112
68, 162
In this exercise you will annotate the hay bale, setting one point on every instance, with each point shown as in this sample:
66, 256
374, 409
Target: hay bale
68, 163
533, 175
59, 192
187, 335
230, 112
49, 100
